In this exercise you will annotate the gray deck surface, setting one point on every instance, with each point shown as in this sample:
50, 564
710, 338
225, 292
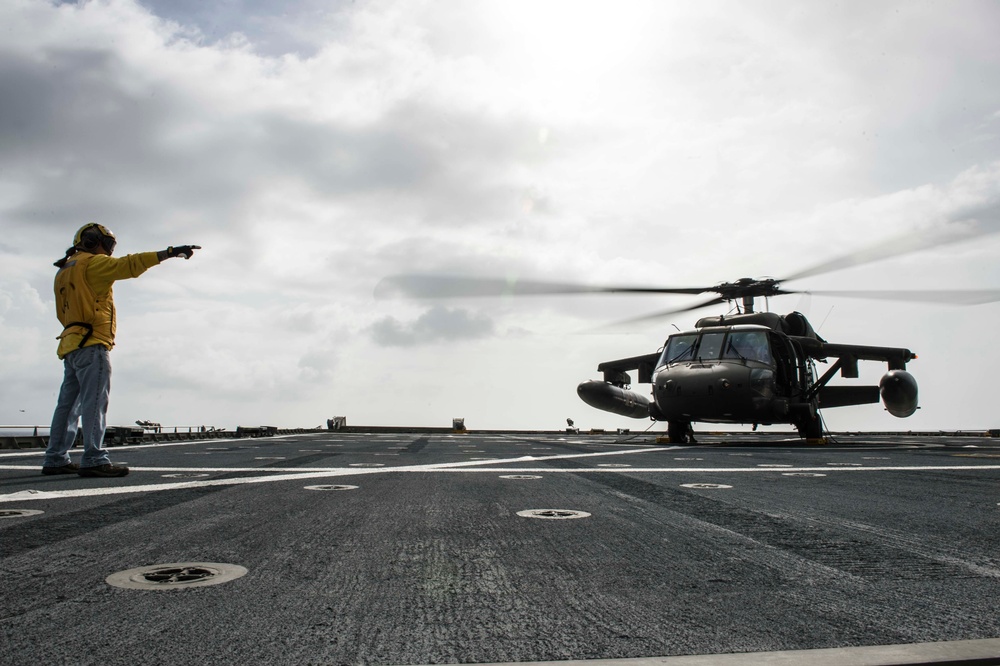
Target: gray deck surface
742, 544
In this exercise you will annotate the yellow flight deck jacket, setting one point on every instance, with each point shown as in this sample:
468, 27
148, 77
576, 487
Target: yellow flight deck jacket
85, 302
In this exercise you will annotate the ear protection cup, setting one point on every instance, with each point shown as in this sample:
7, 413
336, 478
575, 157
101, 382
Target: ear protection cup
90, 240
92, 236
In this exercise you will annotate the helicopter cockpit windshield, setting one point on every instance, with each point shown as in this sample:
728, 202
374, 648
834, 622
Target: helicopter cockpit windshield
714, 345
749, 346
710, 346
679, 348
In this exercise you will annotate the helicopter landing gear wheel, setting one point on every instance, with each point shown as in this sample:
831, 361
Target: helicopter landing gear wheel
810, 427
680, 432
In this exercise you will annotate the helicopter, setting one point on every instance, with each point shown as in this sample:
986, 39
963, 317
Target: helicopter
751, 367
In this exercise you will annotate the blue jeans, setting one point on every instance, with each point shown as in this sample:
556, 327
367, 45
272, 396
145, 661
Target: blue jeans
84, 395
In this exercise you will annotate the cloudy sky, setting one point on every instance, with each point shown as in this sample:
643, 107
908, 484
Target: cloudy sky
313, 147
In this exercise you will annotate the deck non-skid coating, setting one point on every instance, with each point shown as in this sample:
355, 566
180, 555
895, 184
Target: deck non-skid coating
742, 544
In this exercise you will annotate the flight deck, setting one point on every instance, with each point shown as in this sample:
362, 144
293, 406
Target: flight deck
332, 547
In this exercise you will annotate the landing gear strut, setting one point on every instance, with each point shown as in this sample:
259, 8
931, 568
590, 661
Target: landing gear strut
680, 432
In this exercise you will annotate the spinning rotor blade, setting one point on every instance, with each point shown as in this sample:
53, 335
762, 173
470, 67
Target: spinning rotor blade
665, 313
972, 224
947, 296
448, 286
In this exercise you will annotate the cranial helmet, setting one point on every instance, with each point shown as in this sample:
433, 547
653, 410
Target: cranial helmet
92, 236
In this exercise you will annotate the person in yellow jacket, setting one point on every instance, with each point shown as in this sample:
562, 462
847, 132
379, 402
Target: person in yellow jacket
85, 307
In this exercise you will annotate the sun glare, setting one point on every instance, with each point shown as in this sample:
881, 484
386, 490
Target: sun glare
563, 52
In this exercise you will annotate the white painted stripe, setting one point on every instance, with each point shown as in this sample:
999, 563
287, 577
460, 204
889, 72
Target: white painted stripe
703, 470
272, 474
125, 490
161, 445
451, 467
434, 465
300, 473
41, 452
28, 495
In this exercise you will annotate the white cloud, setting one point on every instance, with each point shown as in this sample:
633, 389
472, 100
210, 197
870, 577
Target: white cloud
314, 148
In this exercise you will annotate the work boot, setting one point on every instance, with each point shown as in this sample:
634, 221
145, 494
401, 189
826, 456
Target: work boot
105, 470
68, 468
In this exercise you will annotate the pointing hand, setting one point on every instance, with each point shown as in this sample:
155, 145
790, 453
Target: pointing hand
186, 251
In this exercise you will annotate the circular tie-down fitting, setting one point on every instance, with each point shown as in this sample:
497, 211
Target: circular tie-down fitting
19, 513
553, 514
176, 576
520, 476
706, 486
330, 487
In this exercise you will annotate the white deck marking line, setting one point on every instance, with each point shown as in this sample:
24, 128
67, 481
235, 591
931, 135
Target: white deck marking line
497, 459
124, 490
480, 467
301, 473
462, 467
698, 470
159, 445
41, 452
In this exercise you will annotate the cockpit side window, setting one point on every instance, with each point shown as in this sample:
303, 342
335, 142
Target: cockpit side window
679, 348
711, 346
748, 345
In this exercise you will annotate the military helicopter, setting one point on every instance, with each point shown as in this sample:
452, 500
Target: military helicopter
751, 367
746, 368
